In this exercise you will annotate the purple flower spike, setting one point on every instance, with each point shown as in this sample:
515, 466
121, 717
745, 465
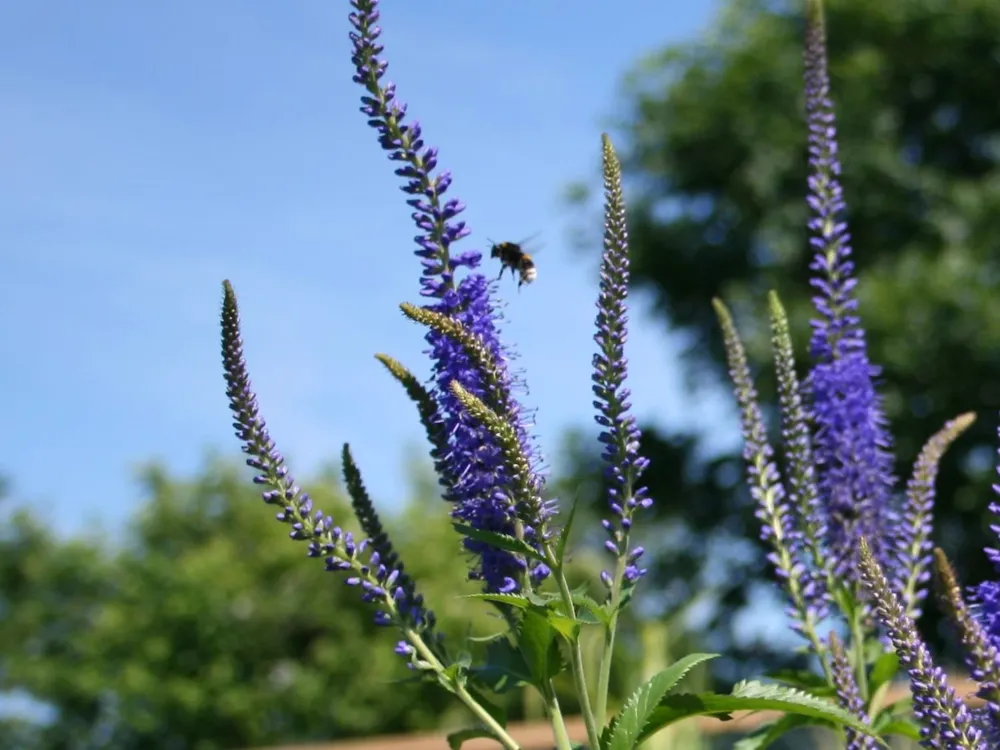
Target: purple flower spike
620, 433
473, 457
852, 444
434, 217
382, 581
849, 696
945, 720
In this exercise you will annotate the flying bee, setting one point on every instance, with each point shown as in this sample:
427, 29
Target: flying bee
513, 256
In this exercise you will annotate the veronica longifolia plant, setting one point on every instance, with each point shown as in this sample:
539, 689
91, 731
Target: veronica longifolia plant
850, 550
488, 466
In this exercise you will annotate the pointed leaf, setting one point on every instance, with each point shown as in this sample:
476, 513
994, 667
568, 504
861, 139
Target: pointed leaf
749, 696
500, 541
564, 534
512, 600
629, 723
596, 610
885, 668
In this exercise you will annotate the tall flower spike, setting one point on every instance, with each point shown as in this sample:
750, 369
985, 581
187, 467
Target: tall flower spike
379, 581
806, 546
914, 534
945, 721
620, 434
383, 552
474, 459
852, 444
430, 418
776, 517
981, 655
433, 216
849, 696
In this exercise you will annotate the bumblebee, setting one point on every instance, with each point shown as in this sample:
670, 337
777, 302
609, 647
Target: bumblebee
513, 256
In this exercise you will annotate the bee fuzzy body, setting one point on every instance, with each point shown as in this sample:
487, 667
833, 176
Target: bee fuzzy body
512, 256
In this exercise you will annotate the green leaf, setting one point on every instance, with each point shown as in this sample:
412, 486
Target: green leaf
596, 610
505, 668
457, 739
500, 541
564, 534
901, 728
537, 643
628, 725
567, 627
885, 668
749, 696
513, 600
800, 678
766, 734
543, 598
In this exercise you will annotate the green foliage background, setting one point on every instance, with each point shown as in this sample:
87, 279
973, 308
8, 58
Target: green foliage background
209, 628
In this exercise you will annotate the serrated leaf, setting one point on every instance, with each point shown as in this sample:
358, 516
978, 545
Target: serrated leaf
597, 610
543, 599
512, 600
457, 739
500, 541
628, 725
767, 734
666, 680
750, 696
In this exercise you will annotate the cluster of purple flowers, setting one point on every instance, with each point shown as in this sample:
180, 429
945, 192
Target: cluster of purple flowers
477, 479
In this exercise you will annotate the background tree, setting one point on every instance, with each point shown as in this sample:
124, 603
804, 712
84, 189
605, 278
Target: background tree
208, 628
717, 156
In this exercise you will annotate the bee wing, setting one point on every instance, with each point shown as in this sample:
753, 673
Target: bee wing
526, 242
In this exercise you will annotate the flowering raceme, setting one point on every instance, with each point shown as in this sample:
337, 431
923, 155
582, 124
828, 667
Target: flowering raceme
477, 481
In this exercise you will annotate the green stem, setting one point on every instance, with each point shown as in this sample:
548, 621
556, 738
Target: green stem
576, 659
563, 741
499, 733
858, 646
604, 679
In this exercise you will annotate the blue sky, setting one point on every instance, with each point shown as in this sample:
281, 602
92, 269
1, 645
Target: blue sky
150, 150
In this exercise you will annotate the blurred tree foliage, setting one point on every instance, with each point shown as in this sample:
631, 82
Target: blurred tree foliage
716, 156
208, 628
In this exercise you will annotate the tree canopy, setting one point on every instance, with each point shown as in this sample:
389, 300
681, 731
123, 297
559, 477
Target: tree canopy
208, 628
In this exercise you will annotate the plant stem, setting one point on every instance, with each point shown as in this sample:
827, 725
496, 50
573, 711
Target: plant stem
576, 659
858, 646
499, 733
558, 723
604, 679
